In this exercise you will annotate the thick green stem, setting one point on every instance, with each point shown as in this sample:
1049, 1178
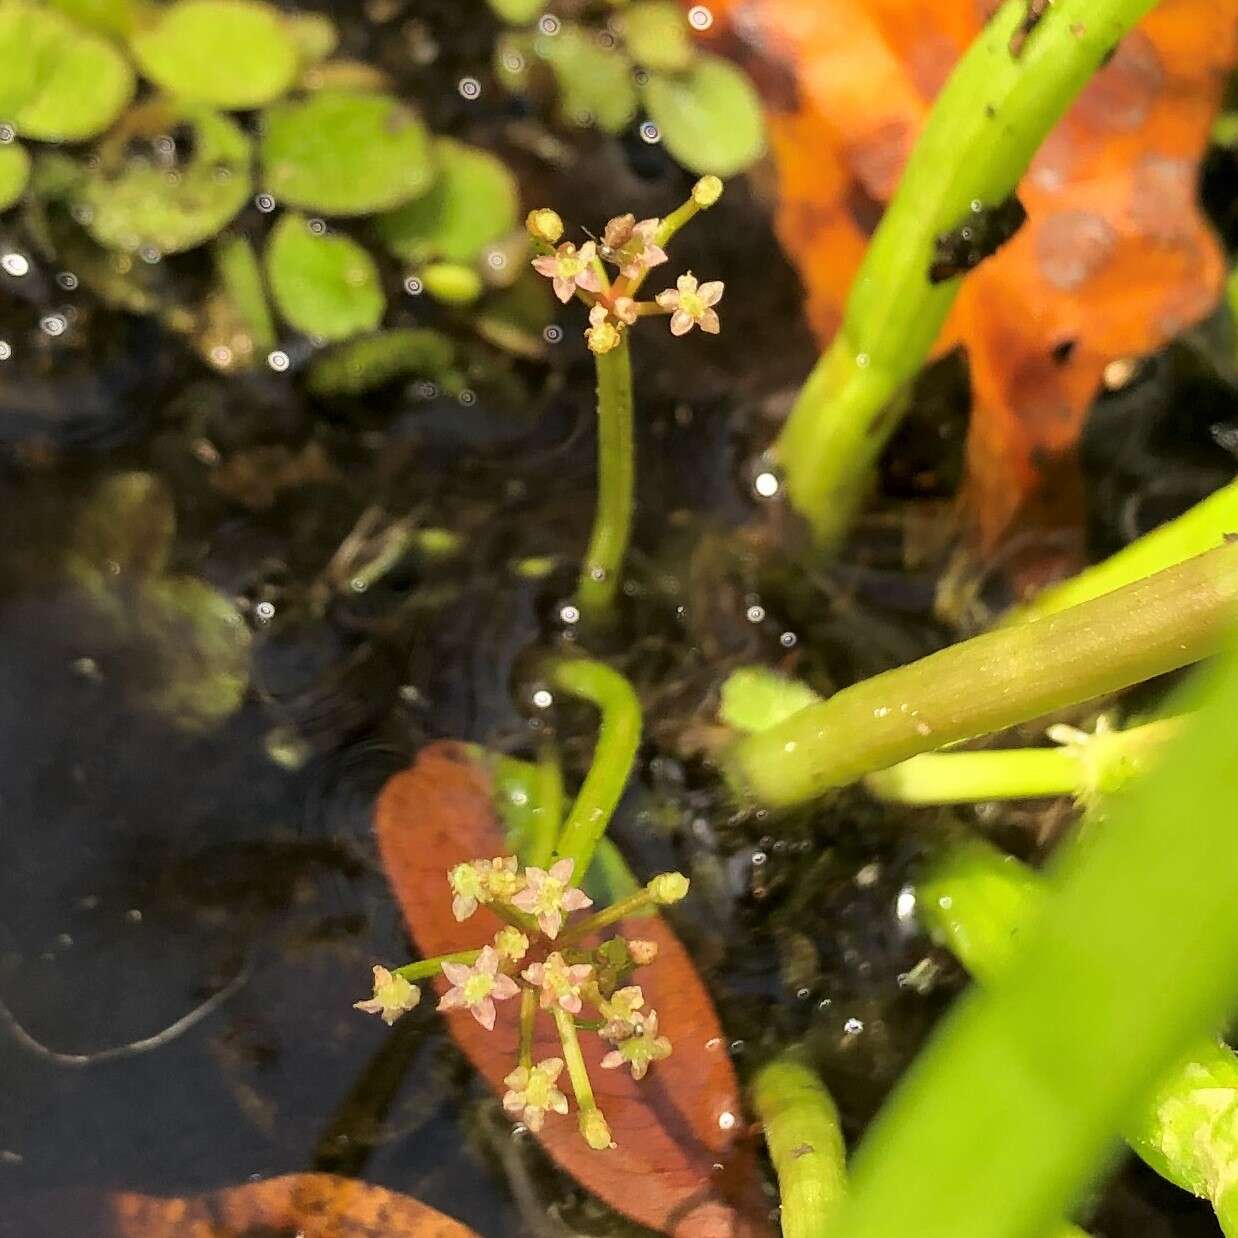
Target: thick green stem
981, 903
548, 807
805, 1143
984, 128
993, 681
612, 525
1204, 526
1086, 767
424, 969
618, 739
241, 277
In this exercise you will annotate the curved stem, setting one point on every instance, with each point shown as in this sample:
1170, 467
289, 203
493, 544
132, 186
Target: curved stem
981, 134
993, 681
805, 1143
424, 969
547, 817
618, 738
612, 525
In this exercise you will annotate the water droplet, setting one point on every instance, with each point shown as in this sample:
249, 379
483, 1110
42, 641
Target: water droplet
755, 614
597, 573
265, 203
758, 858
553, 333
863, 360
496, 259
766, 484
853, 1027
513, 62
945, 902
737, 1047
318, 226
53, 324
650, 133
7, 133
803, 994
640, 77
278, 360
6, 350
726, 1120
413, 286
467, 397
265, 611
569, 613
788, 640
543, 699
700, 18
469, 87
905, 904
549, 24
15, 264
67, 280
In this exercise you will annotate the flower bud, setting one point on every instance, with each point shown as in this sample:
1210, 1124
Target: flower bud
593, 1127
544, 225
643, 953
706, 191
667, 888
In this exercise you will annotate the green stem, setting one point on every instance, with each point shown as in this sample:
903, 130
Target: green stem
592, 1123
528, 1015
984, 128
805, 1143
996, 680
424, 969
1100, 763
612, 525
1200, 529
547, 816
241, 277
980, 903
632, 904
618, 739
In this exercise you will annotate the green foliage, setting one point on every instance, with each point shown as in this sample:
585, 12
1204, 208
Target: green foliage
754, 698
60, 82
132, 202
657, 35
114, 17
324, 285
595, 82
517, 12
474, 202
314, 35
1133, 957
233, 54
372, 360
14, 173
345, 152
709, 117
241, 278
452, 283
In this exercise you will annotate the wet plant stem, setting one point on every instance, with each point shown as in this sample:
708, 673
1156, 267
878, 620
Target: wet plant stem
1197, 530
424, 969
618, 738
612, 524
528, 1016
993, 681
805, 1143
575, 1062
547, 814
1098, 762
985, 126
980, 903
632, 905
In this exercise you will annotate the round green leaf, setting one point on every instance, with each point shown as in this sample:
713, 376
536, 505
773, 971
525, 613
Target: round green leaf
114, 17
656, 33
595, 82
131, 202
346, 153
14, 173
372, 360
709, 118
314, 35
473, 203
517, 12
59, 82
323, 285
228, 53
451, 283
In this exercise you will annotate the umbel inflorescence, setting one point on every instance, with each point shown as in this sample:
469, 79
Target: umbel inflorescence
634, 248
538, 956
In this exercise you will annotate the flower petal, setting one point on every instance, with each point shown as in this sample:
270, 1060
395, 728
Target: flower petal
711, 292
551, 1067
550, 922
504, 987
686, 283
565, 289
710, 323
453, 999
613, 1060
513, 1102
576, 900
668, 298
681, 322
487, 961
547, 265
457, 973
561, 870
483, 1012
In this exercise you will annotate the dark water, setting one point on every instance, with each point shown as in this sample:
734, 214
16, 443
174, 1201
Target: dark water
186, 915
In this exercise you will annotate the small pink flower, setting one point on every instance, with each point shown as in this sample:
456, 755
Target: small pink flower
547, 895
532, 1092
622, 1013
482, 881
570, 268
477, 988
630, 245
558, 982
601, 335
640, 1050
624, 309
393, 996
692, 305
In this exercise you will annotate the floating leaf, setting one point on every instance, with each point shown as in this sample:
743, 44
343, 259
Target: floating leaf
60, 82
14, 173
517, 12
710, 117
362, 364
1115, 259
754, 698
474, 202
314, 34
241, 278
656, 33
234, 54
132, 202
114, 17
323, 285
452, 283
674, 1128
595, 82
346, 152
316, 1205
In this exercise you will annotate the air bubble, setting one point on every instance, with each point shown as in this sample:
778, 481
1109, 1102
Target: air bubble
549, 24
640, 77
278, 360
265, 203
606, 39
543, 699
413, 286
467, 398
513, 62
425, 390
726, 1120
553, 333
53, 324
650, 133
67, 280
699, 17
318, 226
15, 264
758, 859
755, 614
150, 255
265, 611
7, 134
853, 1027
6, 350
496, 259
788, 640
766, 484
569, 613
469, 87
863, 360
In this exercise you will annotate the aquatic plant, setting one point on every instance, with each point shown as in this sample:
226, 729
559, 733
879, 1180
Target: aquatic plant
635, 248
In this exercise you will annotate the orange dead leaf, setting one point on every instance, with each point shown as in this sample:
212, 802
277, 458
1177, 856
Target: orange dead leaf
313, 1205
681, 1164
1114, 260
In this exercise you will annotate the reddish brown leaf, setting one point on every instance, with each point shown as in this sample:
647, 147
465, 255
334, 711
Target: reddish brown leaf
681, 1164
312, 1205
1114, 260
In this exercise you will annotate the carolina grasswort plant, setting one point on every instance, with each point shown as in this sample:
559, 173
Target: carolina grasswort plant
634, 247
